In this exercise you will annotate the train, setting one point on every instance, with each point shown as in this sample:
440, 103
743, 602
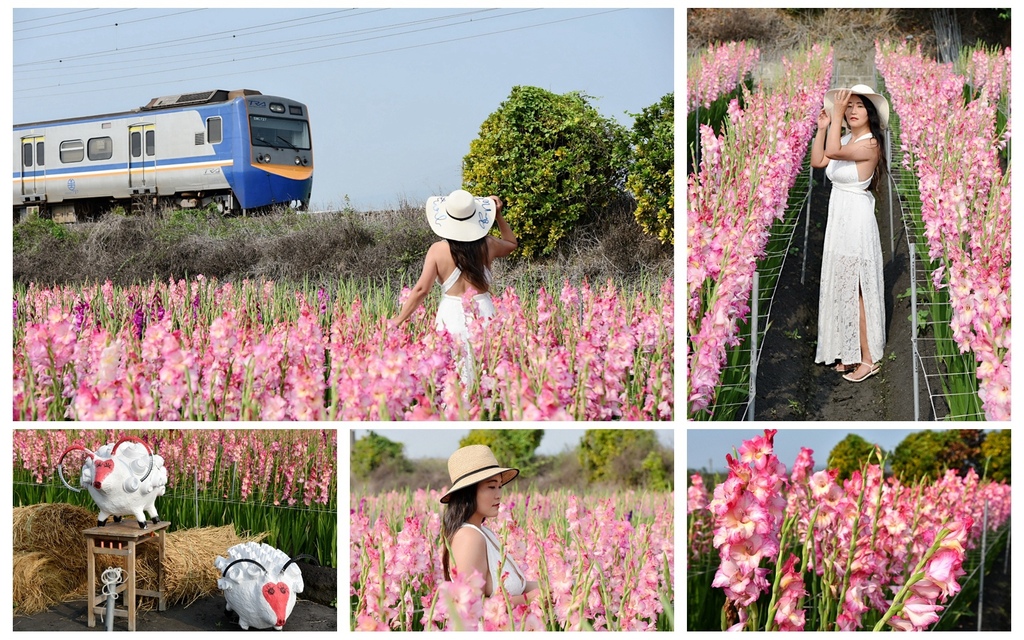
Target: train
239, 150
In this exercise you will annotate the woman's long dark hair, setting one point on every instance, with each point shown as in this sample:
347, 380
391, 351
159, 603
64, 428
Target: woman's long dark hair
471, 259
875, 124
461, 505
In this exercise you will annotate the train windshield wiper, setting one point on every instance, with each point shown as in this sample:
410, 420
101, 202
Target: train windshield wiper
287, 142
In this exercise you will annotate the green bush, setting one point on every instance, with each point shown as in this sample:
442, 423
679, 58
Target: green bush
625, 457
515, 448
30, 232
652, 172
373, 451
554, 160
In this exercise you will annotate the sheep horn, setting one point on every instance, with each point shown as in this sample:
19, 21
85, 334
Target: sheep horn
225, 573
60, 463
302, 555
143, 443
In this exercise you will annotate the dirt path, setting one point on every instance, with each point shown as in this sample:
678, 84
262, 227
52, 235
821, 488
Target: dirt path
790, 385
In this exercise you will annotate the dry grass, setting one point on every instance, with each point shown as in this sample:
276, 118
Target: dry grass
385, 247
852, 32
50, 562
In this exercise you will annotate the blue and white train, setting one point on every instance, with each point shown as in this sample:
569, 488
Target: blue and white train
241, 150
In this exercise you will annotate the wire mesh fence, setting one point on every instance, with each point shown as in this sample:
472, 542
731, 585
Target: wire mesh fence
948, 376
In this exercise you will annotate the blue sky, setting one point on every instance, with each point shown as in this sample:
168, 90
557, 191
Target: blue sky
395, 95
706, 448
440, 443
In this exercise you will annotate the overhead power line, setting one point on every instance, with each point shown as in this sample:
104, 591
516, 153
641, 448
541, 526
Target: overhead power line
299, 64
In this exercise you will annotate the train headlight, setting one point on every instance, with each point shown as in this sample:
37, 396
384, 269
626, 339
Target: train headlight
298, 160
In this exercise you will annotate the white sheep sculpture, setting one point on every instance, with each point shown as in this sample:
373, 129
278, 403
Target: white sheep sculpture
260, 584
123, 479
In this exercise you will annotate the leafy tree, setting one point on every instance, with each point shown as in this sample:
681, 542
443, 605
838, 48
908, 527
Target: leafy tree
651, 177
514, 448
850, 454
930, 453
995, 450
623, 456
373, 451
553, 159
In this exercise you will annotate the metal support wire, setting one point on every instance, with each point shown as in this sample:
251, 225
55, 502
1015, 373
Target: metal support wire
981, 575
753, 349
930, 365
913, 331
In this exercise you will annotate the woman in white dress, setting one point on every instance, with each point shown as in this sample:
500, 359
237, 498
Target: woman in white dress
474, 496
460, 261
851, 307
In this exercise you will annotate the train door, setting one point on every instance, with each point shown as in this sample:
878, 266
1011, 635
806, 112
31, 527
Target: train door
142, 158
33, 166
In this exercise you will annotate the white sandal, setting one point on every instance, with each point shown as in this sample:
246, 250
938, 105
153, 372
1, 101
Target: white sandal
874, 369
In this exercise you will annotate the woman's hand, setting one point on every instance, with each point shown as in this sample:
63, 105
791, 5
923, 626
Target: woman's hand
823, 120
498, 204
530, 596
839, 106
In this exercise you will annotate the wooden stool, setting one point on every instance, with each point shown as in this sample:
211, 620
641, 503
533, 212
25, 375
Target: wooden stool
122, 539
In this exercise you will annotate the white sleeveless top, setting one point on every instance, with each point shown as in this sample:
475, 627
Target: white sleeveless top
454, 277
515, 581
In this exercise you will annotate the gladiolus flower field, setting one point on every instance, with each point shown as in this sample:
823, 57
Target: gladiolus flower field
204, 350
772, 549
282, 482
604, 563
735, 199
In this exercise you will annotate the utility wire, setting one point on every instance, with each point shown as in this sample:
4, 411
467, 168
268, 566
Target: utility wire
140, 62
116, 24
300, 64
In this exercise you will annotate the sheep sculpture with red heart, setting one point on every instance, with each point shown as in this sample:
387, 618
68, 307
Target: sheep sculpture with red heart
260, 584
123, 479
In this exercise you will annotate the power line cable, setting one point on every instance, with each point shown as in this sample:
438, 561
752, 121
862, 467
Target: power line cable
310, 63
180, 42
75, 20
116, 24
57, 15
137, 62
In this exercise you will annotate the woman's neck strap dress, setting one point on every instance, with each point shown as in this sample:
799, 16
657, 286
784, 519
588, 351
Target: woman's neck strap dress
851, 267
515, 582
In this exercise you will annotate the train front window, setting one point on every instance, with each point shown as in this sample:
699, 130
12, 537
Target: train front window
279, 133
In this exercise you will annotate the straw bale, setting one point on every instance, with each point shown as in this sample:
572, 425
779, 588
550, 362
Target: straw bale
56, 530
53, 561
39, 582
189, 573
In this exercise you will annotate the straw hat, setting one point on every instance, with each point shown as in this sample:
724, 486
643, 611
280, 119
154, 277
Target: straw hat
473, 463
460, 216
877, 99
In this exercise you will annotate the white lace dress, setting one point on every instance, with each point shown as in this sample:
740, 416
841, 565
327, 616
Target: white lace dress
852, 259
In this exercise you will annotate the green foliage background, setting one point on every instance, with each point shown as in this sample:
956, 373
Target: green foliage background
995, 450
849, 455
552, 158
652, 171
373, 451
629, 456
515, 448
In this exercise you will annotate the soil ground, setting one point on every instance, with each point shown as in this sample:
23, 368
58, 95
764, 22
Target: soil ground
207, 614
790, 385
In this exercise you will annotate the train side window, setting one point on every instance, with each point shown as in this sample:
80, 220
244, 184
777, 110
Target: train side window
214, 130
72, 151
136, 143
101, 148
26, 154
150, 142
39, 154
